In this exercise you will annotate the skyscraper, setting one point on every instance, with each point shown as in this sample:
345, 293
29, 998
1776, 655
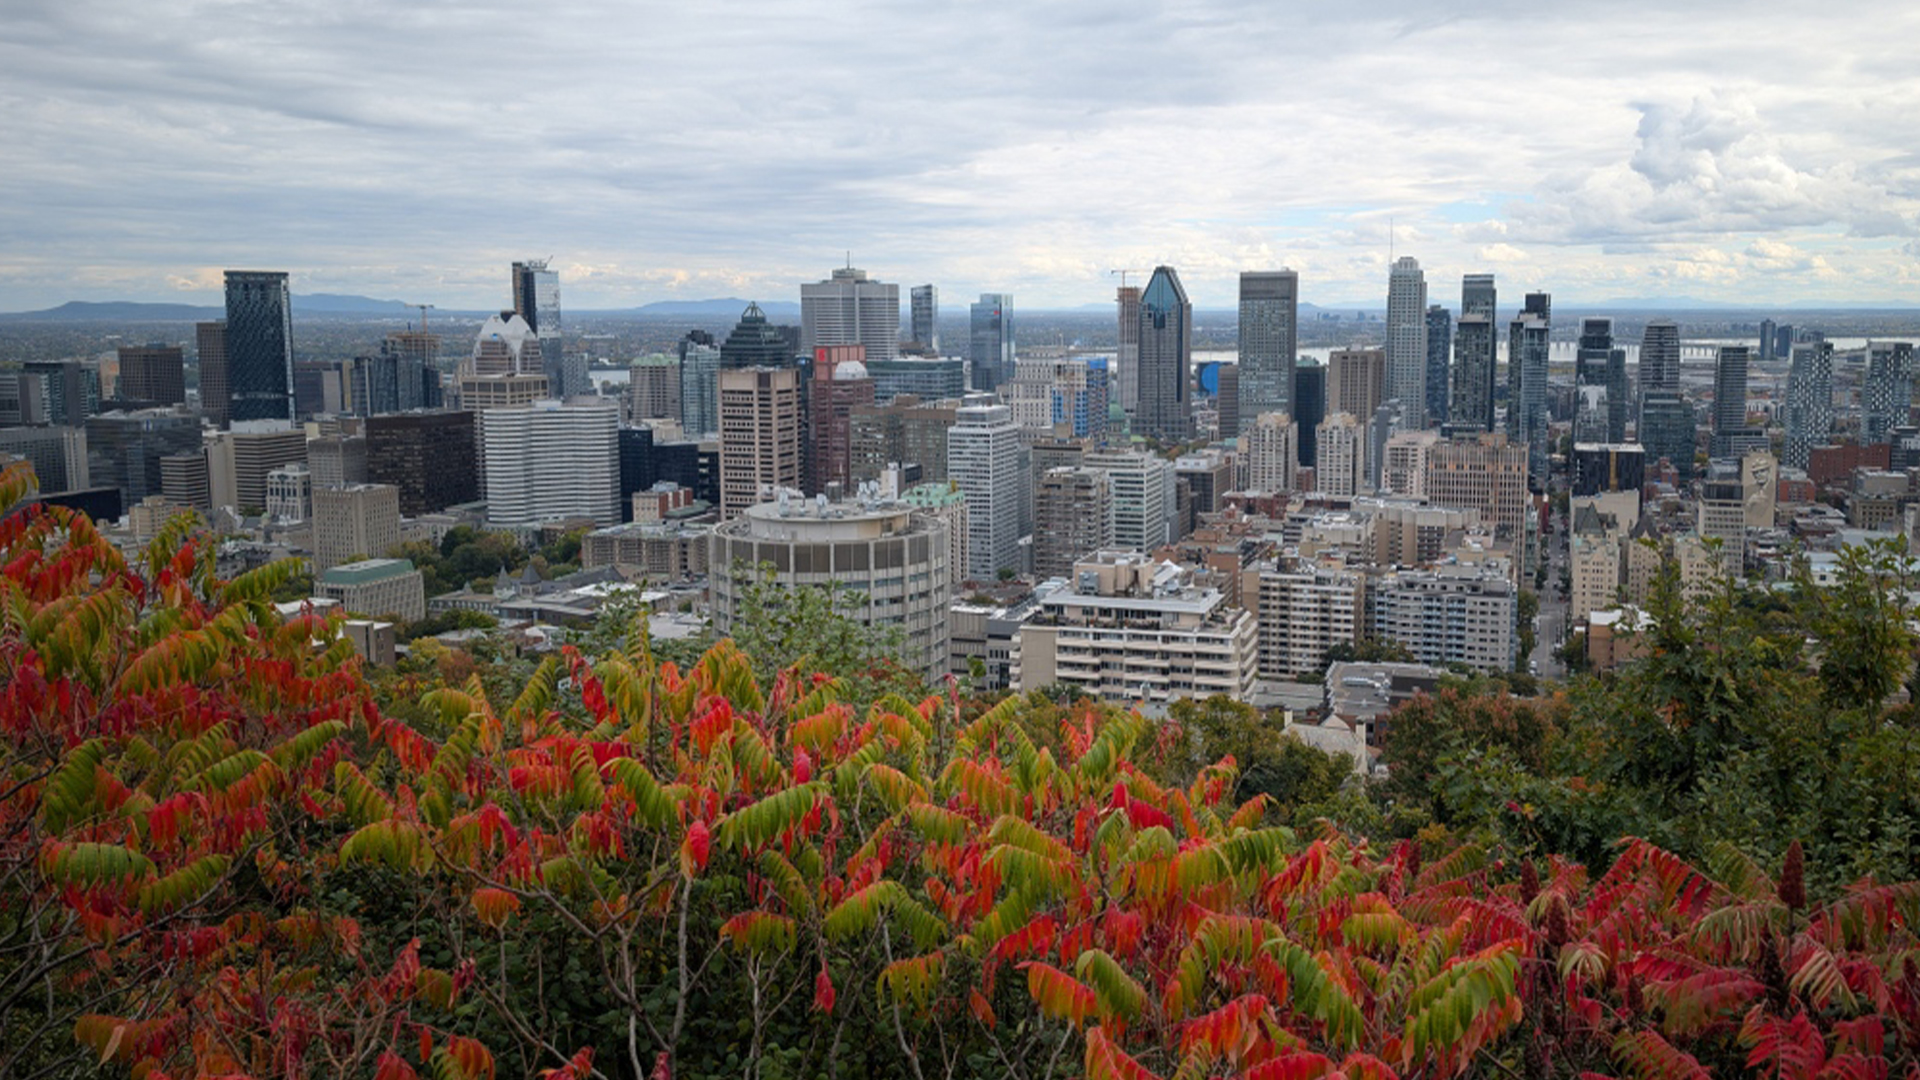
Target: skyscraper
210, 340
1667, 429
1342, 456
1659, 357
1273, 452
1474, 356
1527, 355
990, 343
1356, 381
1407, 340
926, 319
548, 460
1809, 402
259, 346
1598, 363
1166, 357
755, 342
699, 383
760, 422
1269, 343
1768, 328
983, 459
840, 385
1729, 398
1310, 407
1887, 394
536, 298
1439, 351
1127, 355
1073, 518
850, 308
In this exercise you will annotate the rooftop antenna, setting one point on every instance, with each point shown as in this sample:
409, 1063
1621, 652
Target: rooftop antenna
1123, 274
1389, 239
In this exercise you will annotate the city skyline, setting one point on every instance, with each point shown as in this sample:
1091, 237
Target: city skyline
376, 157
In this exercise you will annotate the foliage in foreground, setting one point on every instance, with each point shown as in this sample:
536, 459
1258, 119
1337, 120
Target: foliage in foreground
218, 857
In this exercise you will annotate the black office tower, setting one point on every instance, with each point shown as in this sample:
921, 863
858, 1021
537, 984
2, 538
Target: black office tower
259, 346
1309, 408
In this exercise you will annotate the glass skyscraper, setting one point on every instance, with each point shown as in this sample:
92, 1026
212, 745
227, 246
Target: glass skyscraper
991, 347
259, 346
1269, 339
1439, 348
1166, 356
1407, 340
1309, 407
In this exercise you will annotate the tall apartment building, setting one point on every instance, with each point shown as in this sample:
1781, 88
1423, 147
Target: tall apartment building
990, 341
259, 346
1269, 343
1407, 340
1127, 350
1273, 452
760, 424
1073, 518
1887, 394
1597, 362
840, 386
1729, 399
1342, 452
548, 461
983, 459
1659, 358
1448, 615
1528, 422
653, 388
1303, 611
431, 457
1809, 402
358, 520
1484, 473
210, 359
1356, 381
1403, 466
1127, 628
849, 308
1472, 406
1143, 497
153, 375
906, 430
699, 383
891, 556
1439, 353
1475, 355
926, 318
1166, 359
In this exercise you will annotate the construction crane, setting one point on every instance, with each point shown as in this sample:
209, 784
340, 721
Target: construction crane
424, 308
1123, 275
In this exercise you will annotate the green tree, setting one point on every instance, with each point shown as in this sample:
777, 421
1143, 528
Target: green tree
1272, 763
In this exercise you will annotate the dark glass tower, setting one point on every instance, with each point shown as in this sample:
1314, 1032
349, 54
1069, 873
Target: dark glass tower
1598, 363
1476, 355
1166, 357
1309, 408
755, 342
1729, 398
1660, 357
259, 346
1439, 349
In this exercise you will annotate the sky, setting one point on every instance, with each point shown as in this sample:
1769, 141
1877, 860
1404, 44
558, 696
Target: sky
1726, 151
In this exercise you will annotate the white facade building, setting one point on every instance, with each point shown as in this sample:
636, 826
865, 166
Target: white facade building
1273, 452
548, 460
1143, 497
850, 308
983, 459
1407, 340
1342, 457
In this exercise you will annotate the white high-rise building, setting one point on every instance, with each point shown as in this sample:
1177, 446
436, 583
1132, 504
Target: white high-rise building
1143, 497
851, 309
1273, 452
983, 459
1342, 459
1407, 340
549, 460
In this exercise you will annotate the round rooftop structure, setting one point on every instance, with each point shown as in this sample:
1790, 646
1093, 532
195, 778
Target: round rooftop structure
849, 369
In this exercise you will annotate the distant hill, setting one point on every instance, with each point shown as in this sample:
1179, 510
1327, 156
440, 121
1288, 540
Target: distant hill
117, 311
133, 311
728, 307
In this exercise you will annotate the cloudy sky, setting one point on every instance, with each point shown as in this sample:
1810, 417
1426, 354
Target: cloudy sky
1735, 151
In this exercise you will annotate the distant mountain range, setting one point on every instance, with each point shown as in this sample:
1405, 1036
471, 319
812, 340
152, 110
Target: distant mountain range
132, 311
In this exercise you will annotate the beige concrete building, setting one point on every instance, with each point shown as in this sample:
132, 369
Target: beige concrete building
1356, 381
389, 588
1404, 472
1273, 452
1127, 628
1342, 456
1304, 610
759, 436
662, 550
355, 520
1073, 518
1482, 473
